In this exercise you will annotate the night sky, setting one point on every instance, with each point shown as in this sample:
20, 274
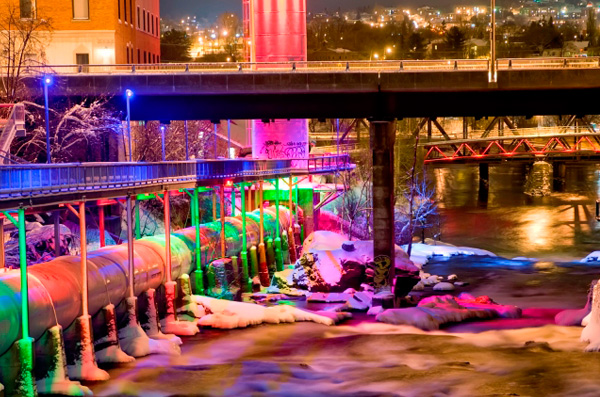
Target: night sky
211, 8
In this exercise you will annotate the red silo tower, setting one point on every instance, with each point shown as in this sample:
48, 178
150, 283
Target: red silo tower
275, 31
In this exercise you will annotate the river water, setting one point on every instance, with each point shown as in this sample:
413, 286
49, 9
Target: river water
559, 227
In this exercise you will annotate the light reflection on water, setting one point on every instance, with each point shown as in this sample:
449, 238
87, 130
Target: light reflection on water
510, 223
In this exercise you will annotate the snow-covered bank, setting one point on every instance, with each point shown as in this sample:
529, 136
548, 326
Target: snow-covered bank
422, 253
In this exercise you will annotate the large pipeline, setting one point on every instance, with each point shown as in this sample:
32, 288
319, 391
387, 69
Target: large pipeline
55, 286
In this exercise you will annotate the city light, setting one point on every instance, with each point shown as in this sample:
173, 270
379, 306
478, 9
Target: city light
48, 80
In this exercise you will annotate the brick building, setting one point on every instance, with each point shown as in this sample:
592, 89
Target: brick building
95, 31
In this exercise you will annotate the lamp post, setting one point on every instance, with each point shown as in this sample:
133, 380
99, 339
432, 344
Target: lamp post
128, 96
47, 82
493, 74
162, 140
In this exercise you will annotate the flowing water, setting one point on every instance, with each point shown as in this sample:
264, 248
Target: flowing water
558, 227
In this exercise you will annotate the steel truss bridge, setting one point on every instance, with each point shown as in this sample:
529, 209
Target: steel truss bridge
577, 139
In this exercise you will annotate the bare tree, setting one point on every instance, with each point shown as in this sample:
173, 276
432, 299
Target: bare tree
76, 130
201, 141
22, 43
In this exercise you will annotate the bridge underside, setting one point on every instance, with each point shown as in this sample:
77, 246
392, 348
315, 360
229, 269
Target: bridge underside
370, 94
374, 105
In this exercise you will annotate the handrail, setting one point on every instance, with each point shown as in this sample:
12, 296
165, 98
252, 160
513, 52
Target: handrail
321, 66
14, 126
48, 179
508, 134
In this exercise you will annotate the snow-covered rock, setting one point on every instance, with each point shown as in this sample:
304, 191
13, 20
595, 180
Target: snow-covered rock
435, 311
452, 277
443, 286
576, 316
228, 314
421, 253
591, 332
593, 257
375, 310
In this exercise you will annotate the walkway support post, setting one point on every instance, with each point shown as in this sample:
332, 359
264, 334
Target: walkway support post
383, 136
130, 246
263, 269
101, 226
222, 213
83, 246
245, 281
57, 247
278, 249
233, 199
198, 273
2, 253
20, 381
291, 239
138, 230
170, 285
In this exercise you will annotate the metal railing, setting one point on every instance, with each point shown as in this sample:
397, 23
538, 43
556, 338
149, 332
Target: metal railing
15, 126
507, 133
325, 66
48, 179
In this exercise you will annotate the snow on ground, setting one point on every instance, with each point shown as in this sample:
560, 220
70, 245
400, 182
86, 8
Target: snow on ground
229, 314
421, 253
366, 358
434, 311
593, 257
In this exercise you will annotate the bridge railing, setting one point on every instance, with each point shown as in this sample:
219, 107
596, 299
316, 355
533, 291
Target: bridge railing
508, 133
320, 66
46, 179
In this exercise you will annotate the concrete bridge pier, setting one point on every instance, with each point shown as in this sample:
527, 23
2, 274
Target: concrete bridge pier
383, 136
560, 176
484, 183
539, 179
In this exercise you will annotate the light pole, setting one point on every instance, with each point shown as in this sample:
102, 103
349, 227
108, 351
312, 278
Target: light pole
493, 74
187, 146
47, 83
162, 140
128, 96
229, 139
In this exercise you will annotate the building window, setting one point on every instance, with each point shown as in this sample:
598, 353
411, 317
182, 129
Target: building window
157, 27
152, 24
131, 12
81, 9
26, 7
139, 57
138, 17
144, 18
119, 9
125, 10
148, 20
83, 59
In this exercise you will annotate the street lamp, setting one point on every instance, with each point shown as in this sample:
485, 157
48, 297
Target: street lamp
493, 73
162, 139
47, 82
128, 96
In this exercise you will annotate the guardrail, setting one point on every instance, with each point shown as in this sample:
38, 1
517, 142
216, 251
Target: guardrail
47, 179
329, 66
508, 134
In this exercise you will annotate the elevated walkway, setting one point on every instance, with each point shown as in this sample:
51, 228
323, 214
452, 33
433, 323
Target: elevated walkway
35, 185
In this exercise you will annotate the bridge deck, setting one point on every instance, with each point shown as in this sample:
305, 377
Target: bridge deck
41, 184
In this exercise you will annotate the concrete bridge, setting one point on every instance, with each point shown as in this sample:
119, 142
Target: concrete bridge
376, 90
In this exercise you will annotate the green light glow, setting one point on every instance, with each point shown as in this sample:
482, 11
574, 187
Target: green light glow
23, 265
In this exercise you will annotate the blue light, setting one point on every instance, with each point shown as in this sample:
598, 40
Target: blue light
129, 93
48, 80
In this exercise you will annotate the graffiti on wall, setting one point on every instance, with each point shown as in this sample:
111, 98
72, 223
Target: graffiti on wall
274, 149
